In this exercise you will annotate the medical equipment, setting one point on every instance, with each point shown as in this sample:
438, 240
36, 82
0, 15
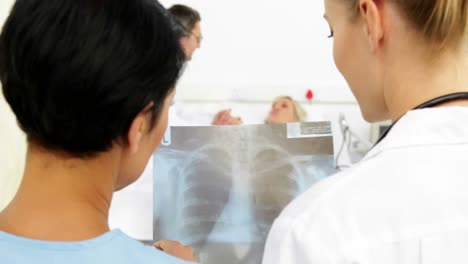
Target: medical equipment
356, 146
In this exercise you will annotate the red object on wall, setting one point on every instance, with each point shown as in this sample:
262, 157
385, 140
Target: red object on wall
310, 95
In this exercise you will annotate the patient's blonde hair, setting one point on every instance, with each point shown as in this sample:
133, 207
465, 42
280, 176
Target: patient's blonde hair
301, 114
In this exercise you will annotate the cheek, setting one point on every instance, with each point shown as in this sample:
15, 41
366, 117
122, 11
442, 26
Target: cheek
349, 59
194, 44
186, 44
341, 55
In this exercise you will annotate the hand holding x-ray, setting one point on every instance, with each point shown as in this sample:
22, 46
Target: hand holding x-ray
176, 249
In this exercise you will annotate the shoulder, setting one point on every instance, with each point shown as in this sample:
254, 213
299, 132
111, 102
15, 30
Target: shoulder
111, 247
317, 199
316, 227
334, 203
353, 189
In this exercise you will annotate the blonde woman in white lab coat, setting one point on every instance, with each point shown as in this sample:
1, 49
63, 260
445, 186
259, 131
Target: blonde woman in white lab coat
407, 201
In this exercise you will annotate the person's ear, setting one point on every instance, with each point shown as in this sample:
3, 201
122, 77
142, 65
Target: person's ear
183, 41
139, 126
372, 13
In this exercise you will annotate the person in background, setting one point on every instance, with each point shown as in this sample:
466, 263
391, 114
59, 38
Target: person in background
190, 29
407, 200
90, 83
283, 110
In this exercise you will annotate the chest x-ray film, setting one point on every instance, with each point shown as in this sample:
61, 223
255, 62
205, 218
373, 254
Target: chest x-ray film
219, 189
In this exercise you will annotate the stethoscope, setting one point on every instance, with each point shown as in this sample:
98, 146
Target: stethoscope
431, 103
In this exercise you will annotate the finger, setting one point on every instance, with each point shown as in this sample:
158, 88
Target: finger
216, 118
220, 113
158, 245
225, 111
221, 116
188, 249
225, 119
166, 244
233, 121
227, 114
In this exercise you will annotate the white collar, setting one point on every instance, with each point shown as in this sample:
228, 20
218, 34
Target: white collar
429, 126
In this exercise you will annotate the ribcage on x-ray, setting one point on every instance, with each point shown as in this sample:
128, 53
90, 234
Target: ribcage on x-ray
274, 185
204, 192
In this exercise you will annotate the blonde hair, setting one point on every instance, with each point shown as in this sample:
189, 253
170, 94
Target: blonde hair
444, 22
300, 112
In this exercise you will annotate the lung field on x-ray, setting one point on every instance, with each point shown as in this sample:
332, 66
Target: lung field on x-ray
205, 192
274, 185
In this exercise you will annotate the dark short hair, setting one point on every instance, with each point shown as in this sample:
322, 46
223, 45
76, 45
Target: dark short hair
186, 16
76, 73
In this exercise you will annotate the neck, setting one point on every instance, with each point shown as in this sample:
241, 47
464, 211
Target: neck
414, 80
62, 198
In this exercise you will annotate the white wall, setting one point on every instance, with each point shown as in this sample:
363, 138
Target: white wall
12, 142
5, 6
12, 154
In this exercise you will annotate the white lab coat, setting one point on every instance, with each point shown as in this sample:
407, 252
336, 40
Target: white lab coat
406, 202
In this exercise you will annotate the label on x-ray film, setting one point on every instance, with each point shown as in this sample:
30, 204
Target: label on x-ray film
166, 141
308, 130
